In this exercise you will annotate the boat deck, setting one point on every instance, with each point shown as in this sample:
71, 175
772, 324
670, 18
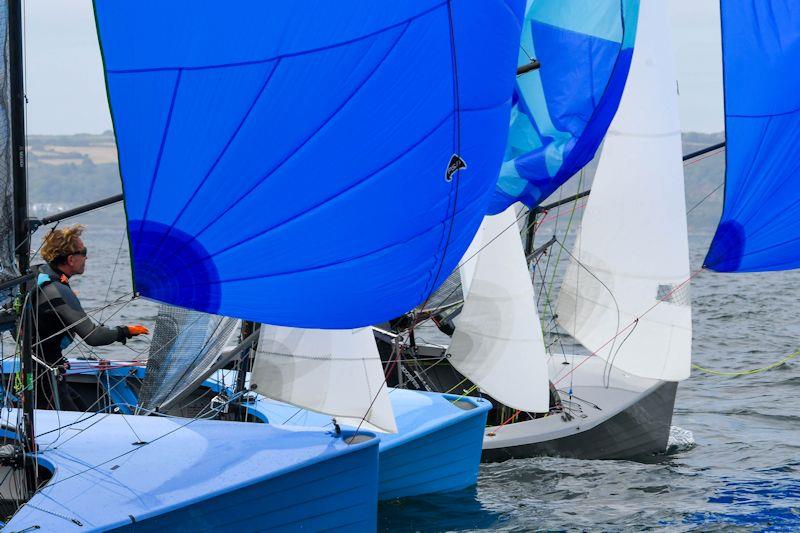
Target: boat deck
122, 472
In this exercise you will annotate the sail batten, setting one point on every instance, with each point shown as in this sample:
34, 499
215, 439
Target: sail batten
299, 176
759, 222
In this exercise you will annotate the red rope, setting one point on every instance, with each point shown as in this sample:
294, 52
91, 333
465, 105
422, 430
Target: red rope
620, 332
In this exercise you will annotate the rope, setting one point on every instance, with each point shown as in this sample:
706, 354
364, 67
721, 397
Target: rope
748, 372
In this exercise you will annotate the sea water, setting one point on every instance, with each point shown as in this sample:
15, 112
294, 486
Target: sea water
734, 450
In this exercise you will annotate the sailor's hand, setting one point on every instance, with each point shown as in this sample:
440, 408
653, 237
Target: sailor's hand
137, 329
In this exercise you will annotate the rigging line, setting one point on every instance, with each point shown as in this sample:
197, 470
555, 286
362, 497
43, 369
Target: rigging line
664, 298
97, 402
113, 272
706, 197
41, 244
566, 230
610, 293
548, 303
748, 372
610, 363
87, 317
123, 454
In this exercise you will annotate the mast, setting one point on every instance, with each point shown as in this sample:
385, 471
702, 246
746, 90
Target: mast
20, 179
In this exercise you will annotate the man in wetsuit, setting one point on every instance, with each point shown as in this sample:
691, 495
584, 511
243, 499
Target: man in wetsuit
59, 316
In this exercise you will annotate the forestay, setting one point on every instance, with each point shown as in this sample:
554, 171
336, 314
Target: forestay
562, 110
334, 372
304, 163
498, 340
625, 294
760, 225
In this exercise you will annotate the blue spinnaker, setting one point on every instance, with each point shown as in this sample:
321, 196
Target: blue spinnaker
562, 110
306, 163
760, 225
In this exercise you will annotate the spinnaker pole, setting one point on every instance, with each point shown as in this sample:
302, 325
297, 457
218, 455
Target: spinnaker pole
19, 174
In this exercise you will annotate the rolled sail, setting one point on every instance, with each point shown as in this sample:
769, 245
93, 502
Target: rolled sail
760, 225
302, 163
8, 267
563, 109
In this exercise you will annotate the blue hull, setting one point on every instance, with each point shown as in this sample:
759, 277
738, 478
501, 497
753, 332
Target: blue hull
437, 447
199, 475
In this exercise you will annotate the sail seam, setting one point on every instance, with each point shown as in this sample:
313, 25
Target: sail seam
352, 187
289, 156
447, 230
219, 158
407, 22
161, 148
330, 357
335, 263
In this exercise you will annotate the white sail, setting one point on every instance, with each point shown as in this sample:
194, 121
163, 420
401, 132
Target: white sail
633, 244
498, 341
335, 372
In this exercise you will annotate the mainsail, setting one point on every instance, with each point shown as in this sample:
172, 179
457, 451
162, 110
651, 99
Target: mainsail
312, 171
335, 372
562, 110
760, 224
625, 294
498, 341
8, 267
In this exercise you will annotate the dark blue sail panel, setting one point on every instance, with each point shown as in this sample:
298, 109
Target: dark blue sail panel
287, 161
760, 225
562, 110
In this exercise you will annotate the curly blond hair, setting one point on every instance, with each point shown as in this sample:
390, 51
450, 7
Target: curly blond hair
59, 243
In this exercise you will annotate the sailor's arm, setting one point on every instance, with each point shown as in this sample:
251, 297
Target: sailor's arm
93, 334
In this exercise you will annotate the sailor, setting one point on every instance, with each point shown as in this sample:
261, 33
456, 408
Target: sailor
59, 316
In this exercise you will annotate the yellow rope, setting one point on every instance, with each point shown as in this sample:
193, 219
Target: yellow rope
466, 393
748, 372
457, 385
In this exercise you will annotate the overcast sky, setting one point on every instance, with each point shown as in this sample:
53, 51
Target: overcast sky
66, 92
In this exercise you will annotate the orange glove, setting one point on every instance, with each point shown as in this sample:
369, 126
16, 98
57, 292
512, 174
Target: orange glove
137, 329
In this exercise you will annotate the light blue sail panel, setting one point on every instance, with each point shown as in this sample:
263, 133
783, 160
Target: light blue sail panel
562, 111
760, 225
287, 161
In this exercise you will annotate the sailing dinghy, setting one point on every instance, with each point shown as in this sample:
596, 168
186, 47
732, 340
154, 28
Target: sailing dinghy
254, 145
625, 296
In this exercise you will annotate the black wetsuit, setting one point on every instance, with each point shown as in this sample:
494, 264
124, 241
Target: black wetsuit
59, 316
